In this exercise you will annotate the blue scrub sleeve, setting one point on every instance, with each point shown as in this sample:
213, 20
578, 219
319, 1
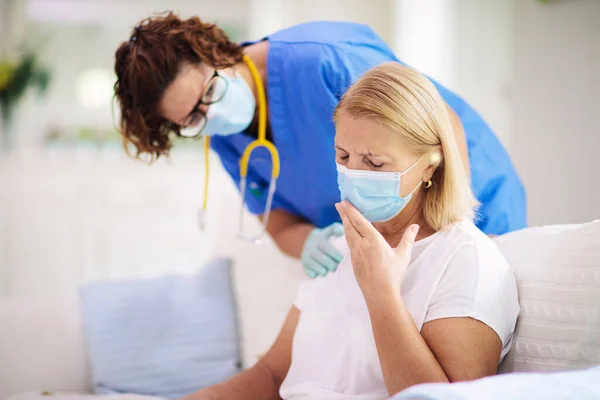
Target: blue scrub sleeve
503, 205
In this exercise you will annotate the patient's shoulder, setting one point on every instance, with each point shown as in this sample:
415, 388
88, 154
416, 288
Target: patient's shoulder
473, 280
464, 236
463, 259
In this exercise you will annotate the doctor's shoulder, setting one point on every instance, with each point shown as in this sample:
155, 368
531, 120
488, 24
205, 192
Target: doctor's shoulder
325, 32
333, 42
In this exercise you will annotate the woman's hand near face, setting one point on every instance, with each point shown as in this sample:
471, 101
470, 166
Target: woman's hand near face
377, 265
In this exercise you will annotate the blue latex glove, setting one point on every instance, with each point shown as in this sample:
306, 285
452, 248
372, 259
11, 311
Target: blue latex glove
318, 255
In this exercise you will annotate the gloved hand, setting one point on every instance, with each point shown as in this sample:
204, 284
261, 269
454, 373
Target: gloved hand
318, 255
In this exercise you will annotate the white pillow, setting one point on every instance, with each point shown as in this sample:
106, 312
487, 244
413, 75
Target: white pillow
558, 276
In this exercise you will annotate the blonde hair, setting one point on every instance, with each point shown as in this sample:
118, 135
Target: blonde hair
405, 101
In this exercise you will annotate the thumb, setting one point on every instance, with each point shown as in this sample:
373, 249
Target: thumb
408, 239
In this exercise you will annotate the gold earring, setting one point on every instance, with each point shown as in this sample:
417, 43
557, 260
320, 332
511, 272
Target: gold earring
428, 184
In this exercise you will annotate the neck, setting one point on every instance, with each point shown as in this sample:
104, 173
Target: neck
393, 230
258, 54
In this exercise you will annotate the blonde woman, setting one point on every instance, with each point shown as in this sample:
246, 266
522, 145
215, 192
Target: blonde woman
421, 294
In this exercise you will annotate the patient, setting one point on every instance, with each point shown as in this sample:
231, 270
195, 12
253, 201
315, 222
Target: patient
421, 294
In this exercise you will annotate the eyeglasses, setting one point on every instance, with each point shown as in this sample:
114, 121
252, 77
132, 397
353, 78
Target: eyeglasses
213, 92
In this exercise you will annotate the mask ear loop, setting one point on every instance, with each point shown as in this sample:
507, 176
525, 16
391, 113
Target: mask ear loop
412, 166
409, 196
414, 190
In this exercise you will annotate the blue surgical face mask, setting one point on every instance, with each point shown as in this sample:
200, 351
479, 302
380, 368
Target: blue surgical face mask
234, 112
375, 194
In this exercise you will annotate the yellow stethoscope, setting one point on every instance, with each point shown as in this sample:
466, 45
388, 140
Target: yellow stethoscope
244, 161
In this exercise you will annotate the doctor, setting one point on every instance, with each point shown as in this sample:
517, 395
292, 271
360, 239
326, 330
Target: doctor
185, 77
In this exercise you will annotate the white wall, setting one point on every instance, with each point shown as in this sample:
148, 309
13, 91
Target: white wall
466, 45
375, 13
484, 55
127, 12
72, 36
556, 103
424, 37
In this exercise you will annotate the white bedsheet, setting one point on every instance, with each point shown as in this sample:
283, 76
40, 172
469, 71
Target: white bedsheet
580, 385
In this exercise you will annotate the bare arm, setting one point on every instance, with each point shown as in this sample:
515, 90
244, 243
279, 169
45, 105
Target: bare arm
446, 350
461, 140
263, 380
403, 353
288, 231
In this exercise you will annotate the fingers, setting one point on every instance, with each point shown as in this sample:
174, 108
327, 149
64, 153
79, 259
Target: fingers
326, 261
408, 239
349, 229
336, 229
360, 223
313, 268
318, 255
310, 273
331, 251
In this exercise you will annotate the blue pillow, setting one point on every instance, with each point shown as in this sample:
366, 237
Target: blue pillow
166, 337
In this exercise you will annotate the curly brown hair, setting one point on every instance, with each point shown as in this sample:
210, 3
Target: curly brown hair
150, 61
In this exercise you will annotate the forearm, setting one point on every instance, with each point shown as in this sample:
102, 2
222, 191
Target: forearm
291, 239
257, 382
405, 358
288, 231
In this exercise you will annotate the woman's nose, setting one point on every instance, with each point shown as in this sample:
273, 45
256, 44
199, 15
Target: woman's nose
354, 162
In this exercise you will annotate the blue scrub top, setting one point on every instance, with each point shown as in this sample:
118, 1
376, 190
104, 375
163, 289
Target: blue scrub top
309, 67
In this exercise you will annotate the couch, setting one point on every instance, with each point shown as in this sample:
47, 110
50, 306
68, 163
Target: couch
42, 345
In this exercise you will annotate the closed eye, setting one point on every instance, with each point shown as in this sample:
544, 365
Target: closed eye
342, 158
372, 164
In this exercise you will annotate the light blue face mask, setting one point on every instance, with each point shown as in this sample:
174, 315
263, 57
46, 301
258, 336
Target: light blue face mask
234, 112
375, 194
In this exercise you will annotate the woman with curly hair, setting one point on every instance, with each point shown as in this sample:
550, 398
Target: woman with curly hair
186, 77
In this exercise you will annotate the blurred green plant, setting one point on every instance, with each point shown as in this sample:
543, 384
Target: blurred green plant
16, 78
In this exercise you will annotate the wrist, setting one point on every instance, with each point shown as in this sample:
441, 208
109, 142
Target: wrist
381, 294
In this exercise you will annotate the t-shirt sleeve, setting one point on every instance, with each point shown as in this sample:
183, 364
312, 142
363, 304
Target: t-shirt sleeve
479, 285
305, 292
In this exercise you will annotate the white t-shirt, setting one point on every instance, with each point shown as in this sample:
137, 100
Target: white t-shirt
458, 272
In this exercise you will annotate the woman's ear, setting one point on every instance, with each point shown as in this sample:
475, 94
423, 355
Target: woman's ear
428, 173
434, 160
